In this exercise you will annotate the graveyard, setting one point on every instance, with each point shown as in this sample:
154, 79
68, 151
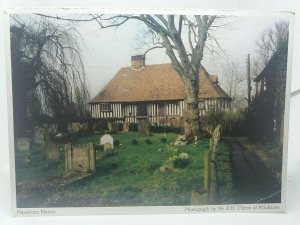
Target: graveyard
117, 169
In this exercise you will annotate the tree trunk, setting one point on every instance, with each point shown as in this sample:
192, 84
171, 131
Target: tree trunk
191, 110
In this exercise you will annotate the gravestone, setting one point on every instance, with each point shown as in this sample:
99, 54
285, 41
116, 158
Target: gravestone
73, 127
76, 127
126, 126
38, 135
69, 128
107, 139
50, 151
183, 155
53, 129
143, 126
96, 126
181, 140
81, 158
84, 127
107, 147
112, 126
23, 144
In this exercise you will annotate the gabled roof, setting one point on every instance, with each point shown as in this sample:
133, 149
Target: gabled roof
154, 83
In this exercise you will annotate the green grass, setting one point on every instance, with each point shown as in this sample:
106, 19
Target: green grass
224, 174
131, 176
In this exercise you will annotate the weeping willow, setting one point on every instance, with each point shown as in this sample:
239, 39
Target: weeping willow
48, 74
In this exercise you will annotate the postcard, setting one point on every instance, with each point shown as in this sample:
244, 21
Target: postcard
148, 111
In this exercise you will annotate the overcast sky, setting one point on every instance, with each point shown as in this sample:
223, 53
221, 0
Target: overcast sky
105, 51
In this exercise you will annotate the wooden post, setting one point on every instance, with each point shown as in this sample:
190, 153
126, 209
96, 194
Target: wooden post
206, 173
92, 156
210, 144
68, 156
213, 191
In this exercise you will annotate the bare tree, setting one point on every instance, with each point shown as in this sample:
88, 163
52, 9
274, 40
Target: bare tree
235, 85
183, 38
47, 71
270, 39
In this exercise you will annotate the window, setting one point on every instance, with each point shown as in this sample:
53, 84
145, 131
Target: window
141, 110
105, 107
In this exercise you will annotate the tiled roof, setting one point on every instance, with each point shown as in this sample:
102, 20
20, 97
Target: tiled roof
154, 83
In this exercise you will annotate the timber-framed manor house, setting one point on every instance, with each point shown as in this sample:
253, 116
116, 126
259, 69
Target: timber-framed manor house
154, 91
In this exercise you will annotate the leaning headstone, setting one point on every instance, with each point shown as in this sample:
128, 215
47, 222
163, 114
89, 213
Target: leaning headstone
38, 135
143, 126
107, 139
107, 147
112, 127
126, 126
54, 126
76, 127
51, 151
23, 144
69, 128
96, 127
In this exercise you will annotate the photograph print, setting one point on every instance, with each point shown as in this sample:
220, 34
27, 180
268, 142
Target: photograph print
125, 110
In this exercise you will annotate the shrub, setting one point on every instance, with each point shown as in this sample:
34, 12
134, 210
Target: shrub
120, 126
116, 142
152, 166
108, 154
167, 129
163, 140
181, 163
148, 141
133, 127
99, 147
99, 126
109, 165
134, 142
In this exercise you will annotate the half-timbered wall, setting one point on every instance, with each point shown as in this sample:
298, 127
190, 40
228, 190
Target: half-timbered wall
155, 110
207, 105
115, 111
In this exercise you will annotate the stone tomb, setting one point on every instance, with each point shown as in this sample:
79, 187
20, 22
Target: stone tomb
107, 139
81, 158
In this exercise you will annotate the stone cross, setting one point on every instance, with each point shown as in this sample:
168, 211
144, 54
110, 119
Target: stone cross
107, 139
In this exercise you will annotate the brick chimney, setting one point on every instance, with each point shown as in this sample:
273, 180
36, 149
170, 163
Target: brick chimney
138, 61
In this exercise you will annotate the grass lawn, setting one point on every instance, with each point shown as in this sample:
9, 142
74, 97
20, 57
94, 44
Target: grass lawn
130, 176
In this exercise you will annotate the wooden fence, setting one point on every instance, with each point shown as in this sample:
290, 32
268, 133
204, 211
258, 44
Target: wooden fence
210, 193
